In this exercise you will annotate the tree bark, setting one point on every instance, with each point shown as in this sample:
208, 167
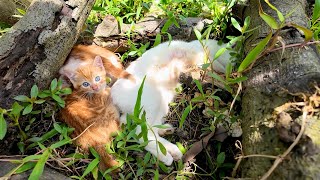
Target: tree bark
36, 46
270, 84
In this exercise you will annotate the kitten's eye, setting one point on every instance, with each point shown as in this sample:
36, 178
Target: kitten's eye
97, 78
85, 84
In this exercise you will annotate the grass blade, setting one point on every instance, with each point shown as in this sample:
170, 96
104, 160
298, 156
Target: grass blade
38, 169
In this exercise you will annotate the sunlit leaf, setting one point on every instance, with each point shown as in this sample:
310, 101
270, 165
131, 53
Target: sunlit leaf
199, 86
316, 11
186, 112
27, 109
90, 167
280, 15
236, 24
157, 40
38, 169
268, 19
221, 157
34, 91
25, 167
22, 98
307, 33
3, 127
162, 148
219, 53
254, 53
53, 84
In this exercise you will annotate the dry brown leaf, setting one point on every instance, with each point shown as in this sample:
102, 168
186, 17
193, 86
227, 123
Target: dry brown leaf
220, 135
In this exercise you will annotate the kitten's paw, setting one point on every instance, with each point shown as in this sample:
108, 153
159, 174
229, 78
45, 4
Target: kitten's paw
176, 153
167, 160
166, 131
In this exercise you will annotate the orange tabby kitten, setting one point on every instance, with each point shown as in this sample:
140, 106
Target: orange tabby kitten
82, 55
89, 109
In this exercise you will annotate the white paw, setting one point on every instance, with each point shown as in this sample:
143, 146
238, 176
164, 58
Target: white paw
176, 153
166, 131
167, 160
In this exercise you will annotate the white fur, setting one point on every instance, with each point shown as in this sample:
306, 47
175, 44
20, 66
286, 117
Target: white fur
162, 65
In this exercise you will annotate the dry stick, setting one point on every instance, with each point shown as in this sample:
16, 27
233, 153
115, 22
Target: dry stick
280, 158
234, 99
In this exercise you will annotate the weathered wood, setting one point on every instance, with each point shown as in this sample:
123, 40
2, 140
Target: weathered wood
271, 81
109, 34
36, 47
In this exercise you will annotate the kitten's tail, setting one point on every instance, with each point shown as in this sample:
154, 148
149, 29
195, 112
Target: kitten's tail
106, 160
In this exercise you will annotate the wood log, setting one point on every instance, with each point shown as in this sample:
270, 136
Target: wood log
36, 47
111, 35
271, 83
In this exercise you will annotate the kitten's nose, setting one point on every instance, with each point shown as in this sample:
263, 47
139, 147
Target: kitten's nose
94, 86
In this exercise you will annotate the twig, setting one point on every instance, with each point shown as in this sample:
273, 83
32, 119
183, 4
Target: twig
234, 99
83, 132
281, 157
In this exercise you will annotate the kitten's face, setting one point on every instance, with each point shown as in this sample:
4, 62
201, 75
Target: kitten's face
90, 78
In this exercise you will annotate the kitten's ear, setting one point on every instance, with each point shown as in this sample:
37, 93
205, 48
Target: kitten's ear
69, 74
98, 62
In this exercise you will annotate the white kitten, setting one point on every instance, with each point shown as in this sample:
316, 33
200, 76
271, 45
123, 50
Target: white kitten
162, 66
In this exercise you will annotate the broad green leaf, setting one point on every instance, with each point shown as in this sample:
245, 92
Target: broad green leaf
90, 167
25, 167
147, 158
280, 15
3, 127
57, 127
181, 147
68, 90
221, 157
22, 98
307, 33
162, 148
53, 84
254, 53
268, 19
16, 109
236, 24
316, 11
186, 111
199, 86
44, 94
27, 109
38, 169
246, 23
34, 91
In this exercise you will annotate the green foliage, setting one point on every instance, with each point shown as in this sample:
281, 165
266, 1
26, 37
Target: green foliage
315, 22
